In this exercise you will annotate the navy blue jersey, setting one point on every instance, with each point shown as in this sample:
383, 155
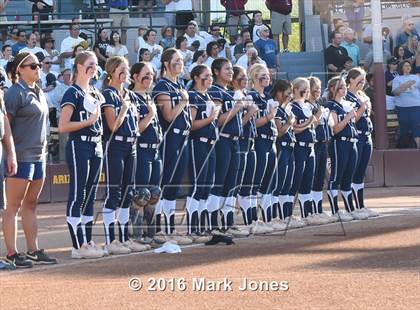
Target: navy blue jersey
234, 126
270, 128
350, 130
153, 133
250, 128
167, 87
204, 106
75, 97
282, 116
364, 124
323, 130
129, 127
302, 115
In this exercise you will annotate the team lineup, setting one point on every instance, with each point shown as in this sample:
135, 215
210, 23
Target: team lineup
240, 138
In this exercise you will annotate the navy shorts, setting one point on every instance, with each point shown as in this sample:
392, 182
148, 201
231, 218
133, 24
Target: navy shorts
31, 170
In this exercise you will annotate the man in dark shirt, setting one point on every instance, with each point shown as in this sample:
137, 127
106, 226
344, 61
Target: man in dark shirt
335, 55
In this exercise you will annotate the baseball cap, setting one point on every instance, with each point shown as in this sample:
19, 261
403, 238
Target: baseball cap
393, 60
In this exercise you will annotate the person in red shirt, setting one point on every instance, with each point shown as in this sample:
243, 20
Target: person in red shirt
235, 14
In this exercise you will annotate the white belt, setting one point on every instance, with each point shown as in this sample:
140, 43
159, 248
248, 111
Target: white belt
292, 144
207, 140
179, 131
125, 139
353, 140
272, 138
366, 133
148, 145
91, 138
229, 136
307, 144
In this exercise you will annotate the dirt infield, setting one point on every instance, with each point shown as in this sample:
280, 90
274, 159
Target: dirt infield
372, 264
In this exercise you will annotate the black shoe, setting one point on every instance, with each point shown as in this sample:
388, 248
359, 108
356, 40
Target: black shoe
40, 257
19, 260
220, 239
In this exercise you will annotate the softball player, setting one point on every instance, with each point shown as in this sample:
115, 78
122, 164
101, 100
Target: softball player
247, 163
281, 92
81, 118
322, 136
149, 161
304, 129
120, 158
343, 151
175, 119
264, 142
227, 149
203, 137
355, 81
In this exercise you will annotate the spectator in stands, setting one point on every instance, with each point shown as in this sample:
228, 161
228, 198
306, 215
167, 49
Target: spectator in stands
411, 49
267, 48
57, 93
235, 15
352, 48
243, 60
3, 4
390, 75
406, 31
49, 50
335, 55
144, 55
399, 53
181, 46
45, 71
13, 37
21, 43
406, 88
170, 9
239, 49
199, 58
7, 55
184, 14
388, 39
191, 35
168, 38
355, 13
348, 64
256, 25
212, 52
155, 49
213, 36
31, 45
139, 43
281, 21
338, 23
368, 65
118, 11
41, 11
115, 47
76, 51
101, 44
224, 49
68, 44
251, 57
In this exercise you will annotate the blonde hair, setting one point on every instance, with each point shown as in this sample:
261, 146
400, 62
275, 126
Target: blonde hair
80, 60
111, 65
333, 85
299, 82
254, 70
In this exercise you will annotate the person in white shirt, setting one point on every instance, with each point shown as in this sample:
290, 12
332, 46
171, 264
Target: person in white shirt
250, 58
214, 34
155, 49
139, 43
181, 46
31, 45
48, 45
115, 47
7, 55
46, 69
192, 36
184, 14
257, 25
212, 51
58, 92
199, 58
68, 44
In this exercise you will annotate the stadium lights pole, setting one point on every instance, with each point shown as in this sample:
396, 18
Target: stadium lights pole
379, 106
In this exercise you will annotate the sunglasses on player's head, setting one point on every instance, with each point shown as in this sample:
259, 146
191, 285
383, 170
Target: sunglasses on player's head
33, 66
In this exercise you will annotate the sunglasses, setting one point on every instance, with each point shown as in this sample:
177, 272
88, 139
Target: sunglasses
33, 66
47, 62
